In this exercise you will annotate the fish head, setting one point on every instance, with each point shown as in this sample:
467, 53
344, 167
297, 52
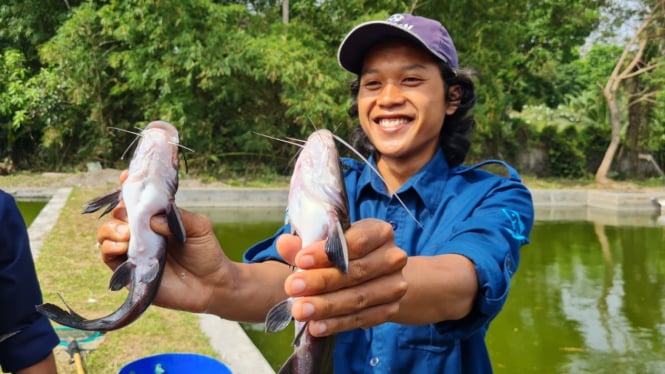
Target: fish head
170, 136
317, 165
156, 155
317, 187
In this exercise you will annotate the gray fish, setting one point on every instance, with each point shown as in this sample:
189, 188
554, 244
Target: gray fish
150, 189
317, 210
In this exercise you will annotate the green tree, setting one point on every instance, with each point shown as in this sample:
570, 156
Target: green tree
223, 70
518, 49
635, 60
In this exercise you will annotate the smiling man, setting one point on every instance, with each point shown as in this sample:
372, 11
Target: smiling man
422, 285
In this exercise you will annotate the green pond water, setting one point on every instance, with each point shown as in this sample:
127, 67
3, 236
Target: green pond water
587, 298
30, 210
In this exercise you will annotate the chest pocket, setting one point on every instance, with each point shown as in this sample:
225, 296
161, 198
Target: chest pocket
424, 338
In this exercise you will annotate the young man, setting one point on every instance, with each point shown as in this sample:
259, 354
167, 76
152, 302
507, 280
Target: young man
420, 293
26, 337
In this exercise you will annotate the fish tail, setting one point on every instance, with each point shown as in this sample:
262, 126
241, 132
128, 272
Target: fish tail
279, 316
64, 317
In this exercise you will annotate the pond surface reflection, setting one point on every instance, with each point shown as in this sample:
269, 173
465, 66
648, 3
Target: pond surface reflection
588, 296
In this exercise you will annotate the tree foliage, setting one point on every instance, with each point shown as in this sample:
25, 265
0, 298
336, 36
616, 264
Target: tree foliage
223, 71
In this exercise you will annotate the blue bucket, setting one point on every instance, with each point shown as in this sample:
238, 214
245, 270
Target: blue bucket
175, 363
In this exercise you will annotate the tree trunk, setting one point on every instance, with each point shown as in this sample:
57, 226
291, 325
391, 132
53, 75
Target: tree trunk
630, 162
285, 12
629, 65
615, 122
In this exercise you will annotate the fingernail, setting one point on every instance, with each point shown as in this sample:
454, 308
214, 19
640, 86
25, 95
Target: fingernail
122, 229
159, 220
319, 327
306, 261
297, 286
307, 310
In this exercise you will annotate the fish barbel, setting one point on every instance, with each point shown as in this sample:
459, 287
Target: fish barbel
149, 189
317, 210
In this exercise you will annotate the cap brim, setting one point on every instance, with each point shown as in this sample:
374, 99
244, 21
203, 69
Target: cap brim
355, 45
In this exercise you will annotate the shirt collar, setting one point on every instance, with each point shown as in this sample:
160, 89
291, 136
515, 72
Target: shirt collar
428, 183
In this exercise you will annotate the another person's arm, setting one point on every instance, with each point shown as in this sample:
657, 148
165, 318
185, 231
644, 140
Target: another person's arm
29, 349
45, 366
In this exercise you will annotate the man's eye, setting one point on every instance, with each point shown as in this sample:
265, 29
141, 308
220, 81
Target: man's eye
372, 84
412, 80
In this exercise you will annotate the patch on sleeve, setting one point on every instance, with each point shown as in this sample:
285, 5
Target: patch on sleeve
517, 229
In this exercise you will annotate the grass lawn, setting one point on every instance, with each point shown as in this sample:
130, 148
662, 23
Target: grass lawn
70, 264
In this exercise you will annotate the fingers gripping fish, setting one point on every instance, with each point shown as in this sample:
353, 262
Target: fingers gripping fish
150, 189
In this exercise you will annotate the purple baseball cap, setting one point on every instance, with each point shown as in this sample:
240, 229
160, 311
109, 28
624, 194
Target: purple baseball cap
428, 33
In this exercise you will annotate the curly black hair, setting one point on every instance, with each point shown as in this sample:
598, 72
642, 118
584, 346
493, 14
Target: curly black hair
454, 137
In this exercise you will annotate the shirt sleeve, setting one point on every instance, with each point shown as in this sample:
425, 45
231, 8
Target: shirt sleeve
491, 238
266, 250
19, 287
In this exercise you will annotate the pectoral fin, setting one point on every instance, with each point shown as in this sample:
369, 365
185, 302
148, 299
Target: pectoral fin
279, 316
175, 223
111, 199
122, 276
336, 249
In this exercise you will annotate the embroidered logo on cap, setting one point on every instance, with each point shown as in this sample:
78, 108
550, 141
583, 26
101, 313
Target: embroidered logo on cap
396, 19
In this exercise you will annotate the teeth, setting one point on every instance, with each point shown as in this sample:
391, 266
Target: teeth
392, 122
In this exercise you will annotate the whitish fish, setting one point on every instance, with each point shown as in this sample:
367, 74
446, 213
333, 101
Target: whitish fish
149, 189
317, 210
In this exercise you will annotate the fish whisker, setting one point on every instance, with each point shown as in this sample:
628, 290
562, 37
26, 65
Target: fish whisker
296, 140
369, 164
183, 147
129, 147
138, 135
127, 131
291, 141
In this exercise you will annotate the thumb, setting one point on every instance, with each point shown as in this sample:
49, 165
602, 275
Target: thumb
288, 246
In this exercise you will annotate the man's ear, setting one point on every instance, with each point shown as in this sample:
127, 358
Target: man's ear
454, 98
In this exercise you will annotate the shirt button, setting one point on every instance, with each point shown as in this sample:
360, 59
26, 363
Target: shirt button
374, 361
394, 225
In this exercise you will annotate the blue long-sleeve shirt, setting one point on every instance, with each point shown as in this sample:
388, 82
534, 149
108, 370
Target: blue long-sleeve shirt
33, 337
461, 210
